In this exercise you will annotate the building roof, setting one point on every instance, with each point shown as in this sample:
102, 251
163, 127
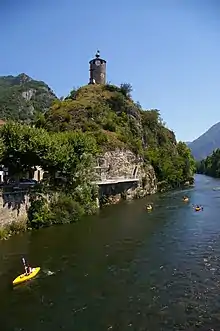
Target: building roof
97, 57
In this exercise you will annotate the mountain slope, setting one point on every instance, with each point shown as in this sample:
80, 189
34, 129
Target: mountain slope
206, 143
21, 97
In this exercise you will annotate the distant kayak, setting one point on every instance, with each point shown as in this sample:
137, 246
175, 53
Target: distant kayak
198, 208
23, 278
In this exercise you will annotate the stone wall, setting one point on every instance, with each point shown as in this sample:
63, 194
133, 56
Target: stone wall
118, 164
13, 206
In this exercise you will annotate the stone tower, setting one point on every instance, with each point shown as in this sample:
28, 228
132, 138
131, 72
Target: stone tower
97, 70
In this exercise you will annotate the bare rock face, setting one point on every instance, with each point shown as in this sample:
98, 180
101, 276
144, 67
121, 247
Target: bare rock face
27, 95
119, 164
121, 172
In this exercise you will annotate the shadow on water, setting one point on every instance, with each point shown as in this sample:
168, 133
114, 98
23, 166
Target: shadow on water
123, 269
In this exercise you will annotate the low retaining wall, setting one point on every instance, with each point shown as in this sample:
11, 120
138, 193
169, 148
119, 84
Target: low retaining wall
13, 206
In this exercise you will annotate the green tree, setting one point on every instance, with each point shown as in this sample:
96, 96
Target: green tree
126, 89
189, 164
211, 165
70, 155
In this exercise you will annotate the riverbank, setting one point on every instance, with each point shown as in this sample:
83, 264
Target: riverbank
14, 205
68, 160
61, 209
43, 205
17, 211
15, 227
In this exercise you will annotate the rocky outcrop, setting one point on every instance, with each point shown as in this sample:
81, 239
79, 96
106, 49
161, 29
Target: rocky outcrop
27, 95
121, 174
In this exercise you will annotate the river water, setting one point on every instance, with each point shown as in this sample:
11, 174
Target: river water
123, 269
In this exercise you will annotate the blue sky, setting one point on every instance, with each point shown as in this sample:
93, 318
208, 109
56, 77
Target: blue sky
169, 51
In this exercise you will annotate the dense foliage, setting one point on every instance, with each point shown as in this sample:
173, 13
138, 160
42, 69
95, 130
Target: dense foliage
108, 113
211, 165
21, 97
67, 159
206, 143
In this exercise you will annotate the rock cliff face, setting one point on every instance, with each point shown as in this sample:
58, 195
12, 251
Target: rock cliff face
123, 175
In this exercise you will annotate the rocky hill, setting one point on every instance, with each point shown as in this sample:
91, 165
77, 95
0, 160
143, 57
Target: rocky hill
96, 130
110, 115
206, 143
21, 97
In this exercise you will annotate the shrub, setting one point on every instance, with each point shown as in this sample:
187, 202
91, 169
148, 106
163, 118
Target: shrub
65, 210
61, 208
14, 227
39, 214
17, 226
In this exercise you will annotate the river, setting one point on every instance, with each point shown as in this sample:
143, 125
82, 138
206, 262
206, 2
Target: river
123, 269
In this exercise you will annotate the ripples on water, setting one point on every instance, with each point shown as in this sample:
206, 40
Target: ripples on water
125, 269
48, 272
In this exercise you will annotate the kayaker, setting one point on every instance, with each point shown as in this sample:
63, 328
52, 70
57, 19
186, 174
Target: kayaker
197, 207
27, 268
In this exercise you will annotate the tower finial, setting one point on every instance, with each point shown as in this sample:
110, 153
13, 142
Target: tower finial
97, 54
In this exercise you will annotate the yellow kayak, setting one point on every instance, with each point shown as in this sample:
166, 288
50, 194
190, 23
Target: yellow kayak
23, 278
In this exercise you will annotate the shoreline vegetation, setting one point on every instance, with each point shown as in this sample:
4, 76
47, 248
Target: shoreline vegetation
210, 166
67, 139
15, 227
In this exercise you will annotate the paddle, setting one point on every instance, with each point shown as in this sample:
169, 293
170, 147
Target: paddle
25, 264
